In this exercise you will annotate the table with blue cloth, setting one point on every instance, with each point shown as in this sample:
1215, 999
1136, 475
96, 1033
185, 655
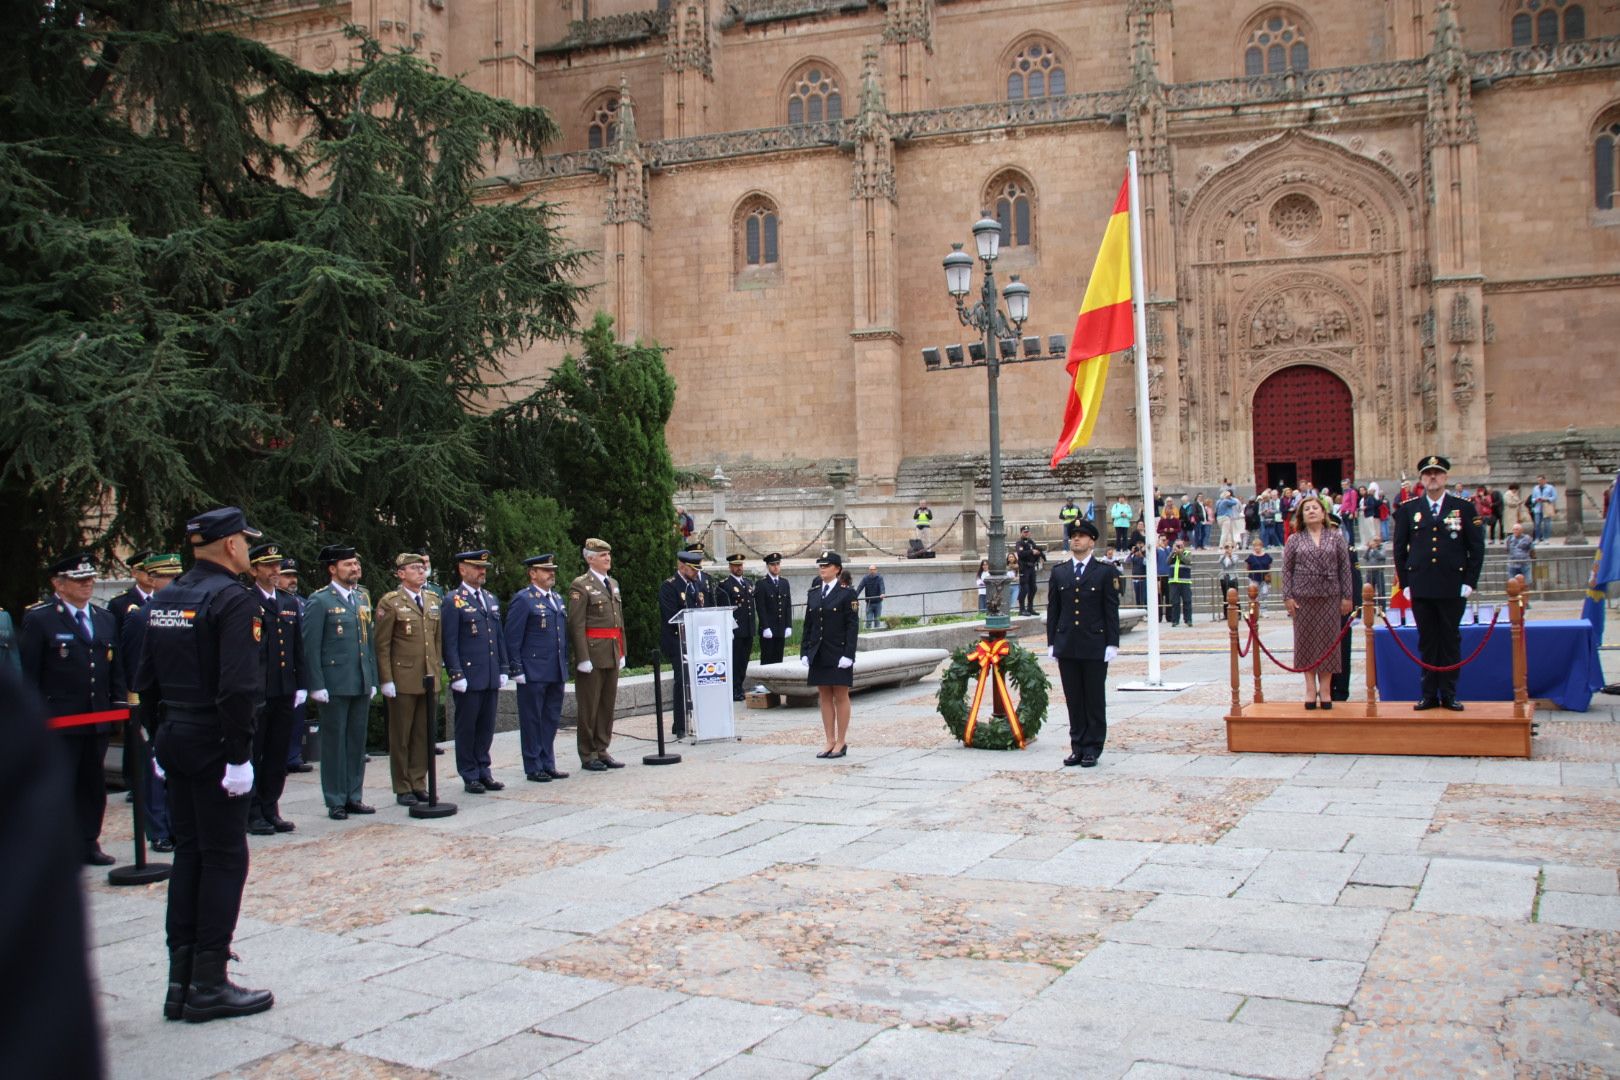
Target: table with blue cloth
1560, 659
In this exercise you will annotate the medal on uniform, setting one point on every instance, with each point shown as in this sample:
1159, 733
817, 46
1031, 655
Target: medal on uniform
474, 629
61, 650
339, 629
407, 629
1417, 517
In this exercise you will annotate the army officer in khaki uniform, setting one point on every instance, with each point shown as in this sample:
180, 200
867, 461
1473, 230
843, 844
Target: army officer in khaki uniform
408, 648
596, 639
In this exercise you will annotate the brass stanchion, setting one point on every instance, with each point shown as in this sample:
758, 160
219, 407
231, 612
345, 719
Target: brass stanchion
1232, 633
1254, 615
1517, 602
1367, 613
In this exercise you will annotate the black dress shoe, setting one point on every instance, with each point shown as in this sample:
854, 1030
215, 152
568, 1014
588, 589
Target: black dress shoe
595, 766
301, 767
1327, 704
438, 751
1310, 705
556, 774
1426, 703
1072, 759
261, 827
611, 763
96, 857
337, 813
281, 824
1453, 704
421, 796
163, 845
677, 733
1088, 761
492, 784
473, 787
537, 778
360, 808
405, 799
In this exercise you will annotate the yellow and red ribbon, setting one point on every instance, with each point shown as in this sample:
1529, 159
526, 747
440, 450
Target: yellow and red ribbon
989, 655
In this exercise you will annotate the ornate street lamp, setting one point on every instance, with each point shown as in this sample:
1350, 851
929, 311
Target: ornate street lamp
1000, 332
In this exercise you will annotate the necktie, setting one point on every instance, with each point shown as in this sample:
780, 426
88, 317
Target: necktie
418, 599
84, 626
1434, 508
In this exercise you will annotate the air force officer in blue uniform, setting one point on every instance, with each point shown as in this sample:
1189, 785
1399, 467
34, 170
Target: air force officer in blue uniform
537, 642
475, 658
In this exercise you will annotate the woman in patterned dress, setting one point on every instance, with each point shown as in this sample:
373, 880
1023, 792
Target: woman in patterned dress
1316, 588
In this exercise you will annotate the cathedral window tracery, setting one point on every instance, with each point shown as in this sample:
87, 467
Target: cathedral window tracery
1010, 197
1277, 41
1547, 22
814, 96
1606, 161
757, 238
1036, 71
602, 125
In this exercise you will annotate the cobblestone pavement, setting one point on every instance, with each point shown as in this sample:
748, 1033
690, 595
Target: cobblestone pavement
920, 910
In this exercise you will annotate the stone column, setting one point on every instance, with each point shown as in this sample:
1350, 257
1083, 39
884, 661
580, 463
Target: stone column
839, 479
970, 516
1574, 447
718, 524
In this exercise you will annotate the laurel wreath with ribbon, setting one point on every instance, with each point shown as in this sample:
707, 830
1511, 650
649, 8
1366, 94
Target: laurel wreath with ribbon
997, 666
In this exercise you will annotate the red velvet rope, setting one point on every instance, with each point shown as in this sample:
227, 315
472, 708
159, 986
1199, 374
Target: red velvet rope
1255, 637
1449, 667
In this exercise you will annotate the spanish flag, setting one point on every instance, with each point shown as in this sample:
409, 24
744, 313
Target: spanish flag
1103, 327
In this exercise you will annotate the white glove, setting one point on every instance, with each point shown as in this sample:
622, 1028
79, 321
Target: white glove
373, 692
521, 680
1051, 652
321, 696
1407, 592
584, 667
459, 686
299, 697
621, 663
804, 661
1467, 591
502, 686
766, 633
238, 779
845, 662
787, 632
157, 770
390, 690
1109, 652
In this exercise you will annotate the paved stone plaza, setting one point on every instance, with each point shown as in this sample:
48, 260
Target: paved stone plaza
920, 910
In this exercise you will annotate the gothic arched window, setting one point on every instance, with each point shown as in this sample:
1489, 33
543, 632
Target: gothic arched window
1606, 161
1547, 22
757, 235
1011, 201
602, 122
1036, 70
1277, 41
813, 96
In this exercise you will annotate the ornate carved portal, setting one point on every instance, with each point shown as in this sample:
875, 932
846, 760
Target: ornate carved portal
1304, 429
1300, 253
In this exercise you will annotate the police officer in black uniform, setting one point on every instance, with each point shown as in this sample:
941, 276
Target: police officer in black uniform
1030, 556
69, 650
773, 610
688, 587
1439, 546
137, 595
1082, 634
286, 687
738, 591
204, 668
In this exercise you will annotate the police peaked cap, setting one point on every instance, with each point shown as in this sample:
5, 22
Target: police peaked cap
475, 557
1085, 527
213, 525
547, 561
690, 558
831, 558
1434, 461
265, 553
78, 566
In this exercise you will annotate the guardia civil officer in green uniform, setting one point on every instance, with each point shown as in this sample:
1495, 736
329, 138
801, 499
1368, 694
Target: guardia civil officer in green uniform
1439, 551
202, 678
342, 659
738, 591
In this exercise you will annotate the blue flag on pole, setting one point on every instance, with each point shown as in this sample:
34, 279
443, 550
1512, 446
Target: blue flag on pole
1605, 570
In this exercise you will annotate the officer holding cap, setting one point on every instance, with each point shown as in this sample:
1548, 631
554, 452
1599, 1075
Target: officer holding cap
342, 660
537, 643
203, 674
409, 644
737, 591
69, 651
688, 587
476, 662
596, 642
1082, 634
773, 606
1439, 548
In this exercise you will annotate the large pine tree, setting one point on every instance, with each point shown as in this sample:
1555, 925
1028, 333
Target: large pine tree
226, 279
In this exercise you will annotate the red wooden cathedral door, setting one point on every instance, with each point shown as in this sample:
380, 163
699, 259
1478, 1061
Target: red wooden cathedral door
1304, 429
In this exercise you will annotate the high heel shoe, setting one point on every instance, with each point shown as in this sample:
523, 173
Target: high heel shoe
1327, 704
840, 752
825, 754
1310, 705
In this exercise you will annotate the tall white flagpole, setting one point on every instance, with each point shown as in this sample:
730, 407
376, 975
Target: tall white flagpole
1144, 439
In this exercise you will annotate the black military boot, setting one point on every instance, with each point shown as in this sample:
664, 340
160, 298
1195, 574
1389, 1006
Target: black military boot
212, 996
179, 978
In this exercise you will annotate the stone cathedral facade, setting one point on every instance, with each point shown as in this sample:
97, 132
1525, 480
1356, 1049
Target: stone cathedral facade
1373, 229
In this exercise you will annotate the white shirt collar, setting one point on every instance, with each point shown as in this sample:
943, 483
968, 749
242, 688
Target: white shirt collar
600, 577
271, 595
74, 611
415, 596
143, 594
341, 591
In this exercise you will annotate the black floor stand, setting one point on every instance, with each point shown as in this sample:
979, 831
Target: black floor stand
140, 872
660, 758
433, 808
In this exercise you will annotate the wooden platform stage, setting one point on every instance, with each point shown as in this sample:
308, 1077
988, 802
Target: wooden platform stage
1482, 729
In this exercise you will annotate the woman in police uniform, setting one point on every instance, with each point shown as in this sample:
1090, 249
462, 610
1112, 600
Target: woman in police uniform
828, 649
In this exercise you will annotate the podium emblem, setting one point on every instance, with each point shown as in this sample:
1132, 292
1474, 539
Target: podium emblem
709, 641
